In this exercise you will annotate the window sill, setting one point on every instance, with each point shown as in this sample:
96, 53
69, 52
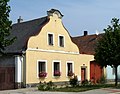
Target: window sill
56, 77
51, 45
61, 46
41, 77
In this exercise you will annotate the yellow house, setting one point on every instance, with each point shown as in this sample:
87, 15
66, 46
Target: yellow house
44, 51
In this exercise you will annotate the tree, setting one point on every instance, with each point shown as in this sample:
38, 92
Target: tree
108, 47
5, 25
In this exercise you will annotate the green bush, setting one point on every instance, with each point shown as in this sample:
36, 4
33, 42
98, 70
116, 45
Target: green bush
46, 86
85, 82
50, 83
74, 81
102, 80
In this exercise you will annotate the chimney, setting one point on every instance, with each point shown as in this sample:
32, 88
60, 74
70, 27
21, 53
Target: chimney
19, 20
85, 33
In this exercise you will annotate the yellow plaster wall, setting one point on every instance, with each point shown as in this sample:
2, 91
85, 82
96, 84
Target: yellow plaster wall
34, 56
53, 26
40, 42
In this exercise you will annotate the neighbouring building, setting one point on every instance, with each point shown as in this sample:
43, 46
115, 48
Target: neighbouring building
87, 44
43, 51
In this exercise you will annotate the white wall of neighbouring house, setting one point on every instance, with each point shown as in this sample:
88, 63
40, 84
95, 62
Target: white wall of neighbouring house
110, 73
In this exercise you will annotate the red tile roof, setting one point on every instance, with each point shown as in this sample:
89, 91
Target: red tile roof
86, 44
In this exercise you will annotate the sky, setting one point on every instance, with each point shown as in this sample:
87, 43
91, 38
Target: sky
79, 15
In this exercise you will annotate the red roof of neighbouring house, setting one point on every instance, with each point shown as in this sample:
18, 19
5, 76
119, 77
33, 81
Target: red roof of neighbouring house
86, 44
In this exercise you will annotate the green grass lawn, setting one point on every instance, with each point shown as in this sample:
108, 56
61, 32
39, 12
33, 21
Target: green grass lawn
73, 89
83, 88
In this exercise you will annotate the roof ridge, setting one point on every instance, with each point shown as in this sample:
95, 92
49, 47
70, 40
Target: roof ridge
84, 36
30, 20
23, 31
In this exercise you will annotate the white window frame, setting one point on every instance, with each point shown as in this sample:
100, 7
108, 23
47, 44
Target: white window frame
59, 40
53, 67
45, 67
53, 39
67, 67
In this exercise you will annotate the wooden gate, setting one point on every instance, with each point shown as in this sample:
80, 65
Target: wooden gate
96, 72
7, 78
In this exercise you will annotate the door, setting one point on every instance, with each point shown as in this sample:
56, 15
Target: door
95, 72
7, 78
83, 74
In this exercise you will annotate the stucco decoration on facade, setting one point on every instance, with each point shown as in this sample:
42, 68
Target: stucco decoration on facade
53, 12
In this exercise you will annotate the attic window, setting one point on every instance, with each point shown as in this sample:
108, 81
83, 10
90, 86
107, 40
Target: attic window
50, 39
61, 41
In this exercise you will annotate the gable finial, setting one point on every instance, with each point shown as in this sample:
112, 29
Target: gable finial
54, 11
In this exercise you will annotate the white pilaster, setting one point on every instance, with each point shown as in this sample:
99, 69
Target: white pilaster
18, 68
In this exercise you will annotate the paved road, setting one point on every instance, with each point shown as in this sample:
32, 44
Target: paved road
35, 91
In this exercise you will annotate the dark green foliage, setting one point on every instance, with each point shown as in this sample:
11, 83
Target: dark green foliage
108, 47
46, 86
84, 88
85, 82
5, 25
74, 81
102, 80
